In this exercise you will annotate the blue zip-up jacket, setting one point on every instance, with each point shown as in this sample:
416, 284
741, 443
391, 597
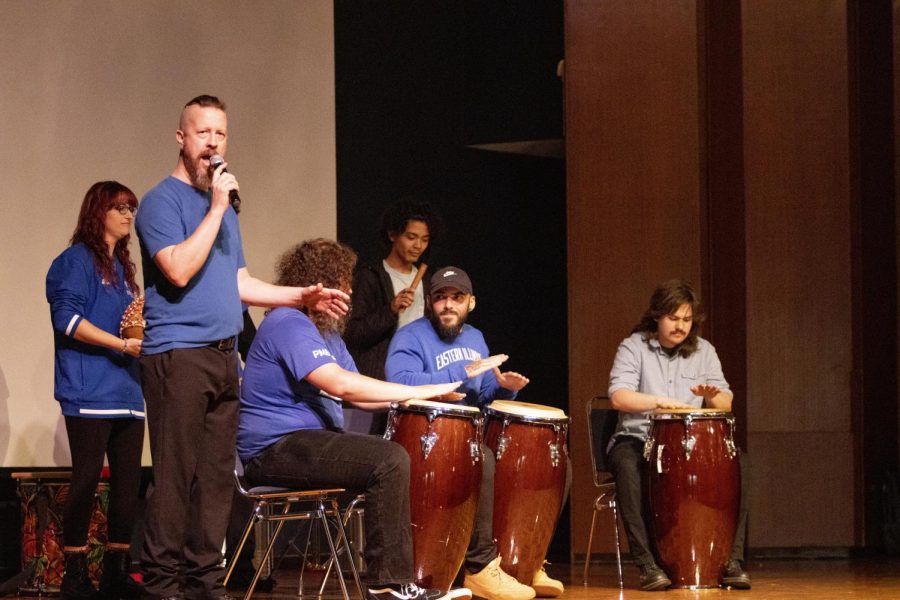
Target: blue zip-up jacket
90, 381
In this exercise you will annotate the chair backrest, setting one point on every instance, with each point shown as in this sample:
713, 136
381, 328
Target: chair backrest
602, 420
239, 475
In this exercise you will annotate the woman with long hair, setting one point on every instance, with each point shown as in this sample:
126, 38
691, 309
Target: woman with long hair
97, 384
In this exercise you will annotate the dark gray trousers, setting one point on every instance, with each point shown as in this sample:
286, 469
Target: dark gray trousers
192, 397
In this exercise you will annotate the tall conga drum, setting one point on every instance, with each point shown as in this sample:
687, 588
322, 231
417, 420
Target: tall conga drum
693, 488
529, 443
444, 446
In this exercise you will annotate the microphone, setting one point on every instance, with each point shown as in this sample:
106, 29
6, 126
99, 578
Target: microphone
214, 162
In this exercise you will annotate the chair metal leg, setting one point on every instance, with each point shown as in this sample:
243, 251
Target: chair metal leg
322, 514
587, 554
615, 512
342, 534
347, 547
309, 529
259, 569
237, 552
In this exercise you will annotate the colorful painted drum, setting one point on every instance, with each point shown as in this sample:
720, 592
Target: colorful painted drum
529, 443
693, 491
42, 496
444, 446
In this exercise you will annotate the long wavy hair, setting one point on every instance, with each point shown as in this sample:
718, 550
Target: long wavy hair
318, 260
91, 228
666, 300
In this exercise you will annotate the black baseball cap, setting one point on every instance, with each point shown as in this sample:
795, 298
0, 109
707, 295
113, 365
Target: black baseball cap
451, 277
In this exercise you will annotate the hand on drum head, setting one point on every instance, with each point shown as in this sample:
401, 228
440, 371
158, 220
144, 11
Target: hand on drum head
670, 404
707, 391
510, 380
436, 390
448, 397
482, 365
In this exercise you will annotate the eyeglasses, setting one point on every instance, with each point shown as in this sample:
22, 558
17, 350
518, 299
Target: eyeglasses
124, 209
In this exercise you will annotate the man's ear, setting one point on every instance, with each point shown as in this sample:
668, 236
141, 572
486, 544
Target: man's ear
471, 303
179, 137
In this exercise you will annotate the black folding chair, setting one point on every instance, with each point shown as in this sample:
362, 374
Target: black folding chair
602, 420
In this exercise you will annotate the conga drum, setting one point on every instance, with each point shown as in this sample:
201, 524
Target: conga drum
693, 488
529, 443
444, 446
43, 497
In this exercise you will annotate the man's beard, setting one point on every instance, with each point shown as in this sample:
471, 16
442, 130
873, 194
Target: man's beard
328, 324
199, 176
445, 332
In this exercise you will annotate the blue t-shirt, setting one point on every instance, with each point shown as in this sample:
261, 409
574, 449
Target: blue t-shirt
417, 356
90, 381
208, 308
276, 399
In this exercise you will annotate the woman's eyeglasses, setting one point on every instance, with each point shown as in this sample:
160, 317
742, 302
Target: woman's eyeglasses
124, 209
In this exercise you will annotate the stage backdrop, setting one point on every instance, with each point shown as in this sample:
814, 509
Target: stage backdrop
92, 91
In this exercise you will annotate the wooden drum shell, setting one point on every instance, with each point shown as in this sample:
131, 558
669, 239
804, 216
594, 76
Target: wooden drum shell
443, 486
528, 486
693, 496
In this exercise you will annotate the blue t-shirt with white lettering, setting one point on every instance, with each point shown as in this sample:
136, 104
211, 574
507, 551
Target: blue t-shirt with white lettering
276, 399
208, 308
417, 356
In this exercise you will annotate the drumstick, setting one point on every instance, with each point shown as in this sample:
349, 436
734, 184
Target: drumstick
420, 273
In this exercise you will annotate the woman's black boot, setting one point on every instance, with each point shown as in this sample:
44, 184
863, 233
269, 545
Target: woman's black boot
116, 582
76, 585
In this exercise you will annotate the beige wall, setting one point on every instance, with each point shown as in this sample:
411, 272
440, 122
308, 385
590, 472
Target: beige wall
91, 91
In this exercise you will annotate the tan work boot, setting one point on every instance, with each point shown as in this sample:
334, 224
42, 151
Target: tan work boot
545, 586
495, 584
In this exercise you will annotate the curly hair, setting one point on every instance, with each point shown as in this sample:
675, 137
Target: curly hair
318, 260
666, 300
397, 215
102, 197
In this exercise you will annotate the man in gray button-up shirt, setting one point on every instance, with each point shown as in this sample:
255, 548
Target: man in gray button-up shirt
664, 363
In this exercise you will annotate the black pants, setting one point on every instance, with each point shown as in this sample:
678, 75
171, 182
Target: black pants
626, 459
122, 441
192, 399
318, 458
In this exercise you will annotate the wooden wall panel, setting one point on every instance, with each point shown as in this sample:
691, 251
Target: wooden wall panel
896, 108
799, 482
798, 247
634, 186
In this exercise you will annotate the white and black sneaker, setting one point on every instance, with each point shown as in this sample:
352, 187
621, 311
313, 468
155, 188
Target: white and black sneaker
405, 591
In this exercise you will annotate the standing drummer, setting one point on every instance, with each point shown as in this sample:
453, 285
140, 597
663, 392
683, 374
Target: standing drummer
665, 364
439, 348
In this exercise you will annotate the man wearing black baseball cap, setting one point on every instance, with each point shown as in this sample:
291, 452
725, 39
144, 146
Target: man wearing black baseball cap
439, 347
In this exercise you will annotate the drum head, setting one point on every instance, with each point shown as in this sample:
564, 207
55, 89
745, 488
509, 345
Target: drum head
665, 414
525, 409
427, 406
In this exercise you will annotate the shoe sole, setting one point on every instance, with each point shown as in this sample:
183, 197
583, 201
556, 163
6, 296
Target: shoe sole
547, 592
738, 583
662, 584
